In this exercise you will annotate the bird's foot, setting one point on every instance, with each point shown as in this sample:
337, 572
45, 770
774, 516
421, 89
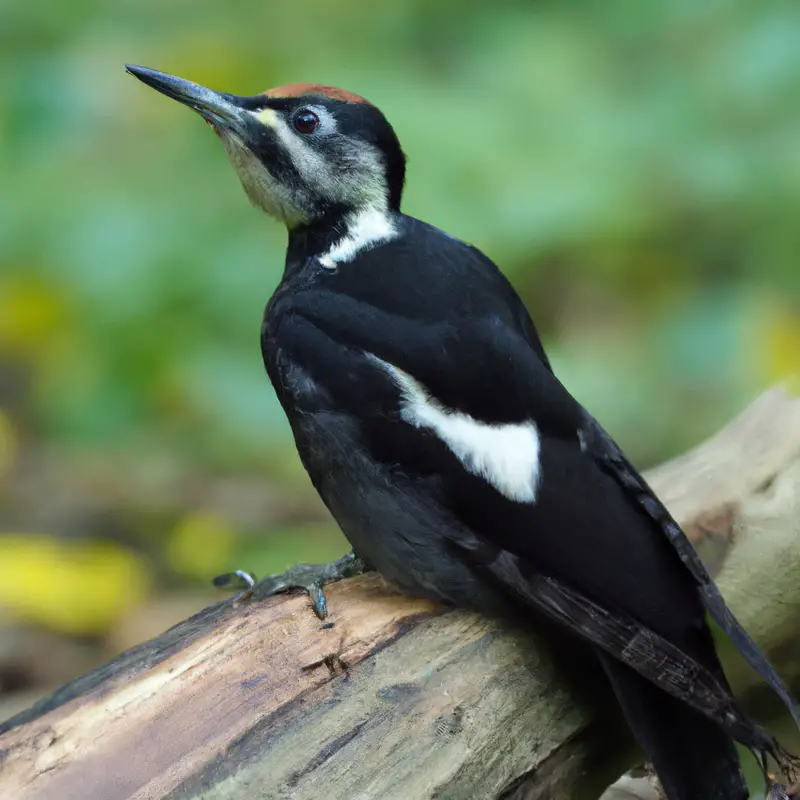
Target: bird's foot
789, 766
311, 578
777, 791
788, 763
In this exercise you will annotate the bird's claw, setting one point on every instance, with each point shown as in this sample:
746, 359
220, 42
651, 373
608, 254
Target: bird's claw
311, 578
777, 791
238, 579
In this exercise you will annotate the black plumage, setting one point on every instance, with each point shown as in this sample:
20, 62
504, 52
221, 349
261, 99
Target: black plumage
429, 420
440, 311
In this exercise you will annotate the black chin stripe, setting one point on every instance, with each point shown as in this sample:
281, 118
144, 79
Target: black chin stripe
265, 144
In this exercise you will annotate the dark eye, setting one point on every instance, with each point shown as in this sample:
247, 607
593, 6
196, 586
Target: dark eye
306, 121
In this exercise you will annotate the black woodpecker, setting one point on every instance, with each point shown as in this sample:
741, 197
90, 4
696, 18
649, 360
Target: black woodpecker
428, 417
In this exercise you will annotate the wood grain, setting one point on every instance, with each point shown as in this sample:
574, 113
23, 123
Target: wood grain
395, 697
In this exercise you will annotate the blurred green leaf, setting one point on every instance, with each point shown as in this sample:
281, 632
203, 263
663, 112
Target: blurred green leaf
633, 167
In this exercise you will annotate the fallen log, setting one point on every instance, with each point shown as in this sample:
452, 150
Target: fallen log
394, 697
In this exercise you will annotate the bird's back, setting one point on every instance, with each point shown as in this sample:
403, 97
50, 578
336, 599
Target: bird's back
582, 527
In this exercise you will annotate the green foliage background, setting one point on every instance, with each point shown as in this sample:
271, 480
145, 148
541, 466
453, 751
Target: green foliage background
634, 167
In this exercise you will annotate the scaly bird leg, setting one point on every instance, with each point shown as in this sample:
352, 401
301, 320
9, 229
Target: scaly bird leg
311, 578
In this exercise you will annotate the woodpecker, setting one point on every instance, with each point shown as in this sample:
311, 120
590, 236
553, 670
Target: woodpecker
428, 417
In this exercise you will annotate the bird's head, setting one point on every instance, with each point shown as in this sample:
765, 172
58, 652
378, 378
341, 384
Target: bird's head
303, 152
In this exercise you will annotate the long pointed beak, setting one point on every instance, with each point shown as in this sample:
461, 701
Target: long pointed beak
217, 108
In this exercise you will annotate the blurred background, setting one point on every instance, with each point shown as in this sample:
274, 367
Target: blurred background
633, 167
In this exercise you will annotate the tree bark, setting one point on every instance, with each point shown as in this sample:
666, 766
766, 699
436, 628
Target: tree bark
394, 697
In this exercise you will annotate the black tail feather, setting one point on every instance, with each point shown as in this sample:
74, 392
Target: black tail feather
694, 757
674, 694
614, 461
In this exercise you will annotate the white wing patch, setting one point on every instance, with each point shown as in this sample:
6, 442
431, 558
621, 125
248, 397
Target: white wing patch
506, 456
365, 229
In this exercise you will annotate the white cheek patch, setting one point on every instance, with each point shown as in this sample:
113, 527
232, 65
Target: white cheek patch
310, 164
361, 183
263, 190
355, 178
365, 229
506, 456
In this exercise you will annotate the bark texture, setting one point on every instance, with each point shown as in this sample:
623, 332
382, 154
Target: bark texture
394, 697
